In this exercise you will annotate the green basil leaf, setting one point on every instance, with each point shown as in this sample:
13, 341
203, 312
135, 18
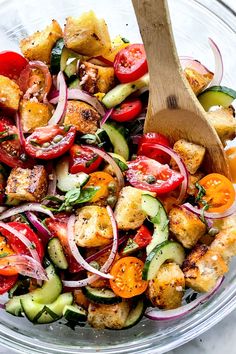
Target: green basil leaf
87, 194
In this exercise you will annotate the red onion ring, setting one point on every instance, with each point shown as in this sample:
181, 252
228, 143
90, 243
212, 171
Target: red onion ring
189, 62
180, 164
106, 116
160, 315
219, 67
106, 266
52, 186
208, 215
44, 233
24, 265
110, 161
22, 238
75, 252
20, 130
2, 209
60, 111
26, 207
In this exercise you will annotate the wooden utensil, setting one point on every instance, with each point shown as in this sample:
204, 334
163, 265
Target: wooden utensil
173, 108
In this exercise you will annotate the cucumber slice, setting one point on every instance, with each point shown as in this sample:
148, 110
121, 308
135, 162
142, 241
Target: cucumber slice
135, 314
217, 96
167, 250
75, 84
13, 306
56, 254
67, 181
71, 68
156, 211
131, 247
120, 92
45, 313
116, 134
101, 296
75, 313
55, 64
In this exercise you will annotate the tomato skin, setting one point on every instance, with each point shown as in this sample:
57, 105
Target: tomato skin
127, 279
45, 135
18, 246
143, 237
220, 192
7, 282
5, 251
165, 179
101, 179
11, 64
83, 160
130, 63
231, 155
155, 154
128, 110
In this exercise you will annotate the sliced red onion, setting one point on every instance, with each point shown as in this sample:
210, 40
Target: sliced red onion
208, 215
110, 161
22, 238
136, 138
24, 265
26, 207
20, 130
219, 67
2, 209
160, 315
106, 116
75, 252
189, 62
180, 164
106, 266
43, 232
60, 111
52, 186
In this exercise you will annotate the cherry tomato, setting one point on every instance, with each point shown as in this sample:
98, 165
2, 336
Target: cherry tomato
11, 64
130, 63
143, 236
127, 110
58, 228
5, 250
16, 244
83, 159
220, 193
50, 142
231, 154
127, 281
153, 153
2, 184
148, 174
7, 282
102, 180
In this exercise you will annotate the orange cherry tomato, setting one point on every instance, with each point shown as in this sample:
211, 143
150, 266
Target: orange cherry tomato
220, 193
127, 281
5, 250
231, 154
101, 180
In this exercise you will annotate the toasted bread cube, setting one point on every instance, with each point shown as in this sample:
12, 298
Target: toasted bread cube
191, 154
10, 94
39, 45
27, 184
102, 316
84, 117
167, 288
193, 179
224, 123
34, 115
202, 268
186, 226
197, 81
87, 35
128, 211
80, 299
96, 78
93, 227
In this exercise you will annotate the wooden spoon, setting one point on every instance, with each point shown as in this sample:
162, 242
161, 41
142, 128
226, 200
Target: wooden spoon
173, 108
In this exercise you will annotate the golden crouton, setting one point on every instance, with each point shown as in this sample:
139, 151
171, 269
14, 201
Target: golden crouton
202, 268
224, 123
197, 81
84, 117
193, 179
128, 212
191, 154
80, 299
96, 78
34, 115
39, 45
108, 316
225, 243
87, 35
93, 227
167, 288
186, 226
9, 94
27, 184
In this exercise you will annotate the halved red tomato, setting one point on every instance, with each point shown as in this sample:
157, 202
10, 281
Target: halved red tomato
148, 174
143, 236
130, 63
11, 64
7, 282
155, 154
50, 142
127, 110
83, 160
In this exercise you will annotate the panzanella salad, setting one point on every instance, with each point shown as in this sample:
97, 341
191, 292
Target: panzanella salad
100, 222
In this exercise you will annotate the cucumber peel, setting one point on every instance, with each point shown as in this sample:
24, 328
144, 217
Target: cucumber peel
217, 96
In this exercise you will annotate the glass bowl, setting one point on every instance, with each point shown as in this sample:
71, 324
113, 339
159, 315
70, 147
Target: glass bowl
193, 22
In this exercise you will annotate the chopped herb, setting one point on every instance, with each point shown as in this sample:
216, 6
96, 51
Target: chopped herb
202, 216
34, 142
125, 40
201, 192
8, 137
32, 246
121, 164
89, 163
4, 254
